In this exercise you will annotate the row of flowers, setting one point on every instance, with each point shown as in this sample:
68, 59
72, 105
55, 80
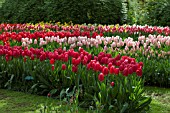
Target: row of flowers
18, 36
153, 45
100, 28
114, 41
150, 45
83, 39
103, 62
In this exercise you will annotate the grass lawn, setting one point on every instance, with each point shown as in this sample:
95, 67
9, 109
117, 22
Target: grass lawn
17, 102
160, 99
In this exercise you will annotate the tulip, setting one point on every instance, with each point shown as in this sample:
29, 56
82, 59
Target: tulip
116, 71
52, 67
52, 61
101, 77
25, 59
63, 67
139, 72
24, 44
125, 72
74, 69
112, 84
112, 69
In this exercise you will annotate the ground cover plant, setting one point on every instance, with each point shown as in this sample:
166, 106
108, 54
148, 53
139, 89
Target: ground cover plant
30, 103
104, 67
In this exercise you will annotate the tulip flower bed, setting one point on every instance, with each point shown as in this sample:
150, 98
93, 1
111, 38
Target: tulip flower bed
63, 62
99, 79
148, 44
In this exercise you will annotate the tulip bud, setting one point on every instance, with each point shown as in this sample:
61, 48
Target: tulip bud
112, 84
35, 41
101, 77
52, 67
63, 67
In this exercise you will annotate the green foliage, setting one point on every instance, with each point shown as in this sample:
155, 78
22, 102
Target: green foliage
158, 12
151, 12
77, 11
156, 72
1, 1
127, 94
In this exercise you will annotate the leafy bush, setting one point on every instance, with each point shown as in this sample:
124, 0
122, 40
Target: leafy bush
158, 12
151, 12
156, 72
77, 11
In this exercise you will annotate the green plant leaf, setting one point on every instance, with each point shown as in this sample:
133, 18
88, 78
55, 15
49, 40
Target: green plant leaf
125, 106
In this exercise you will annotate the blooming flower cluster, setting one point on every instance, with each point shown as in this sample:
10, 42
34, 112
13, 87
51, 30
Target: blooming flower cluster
103, 63
56, 27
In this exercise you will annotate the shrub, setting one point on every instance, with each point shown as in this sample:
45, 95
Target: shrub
151, 12
158, 12
77, 11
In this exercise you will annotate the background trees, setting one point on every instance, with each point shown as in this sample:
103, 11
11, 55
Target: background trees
151, 12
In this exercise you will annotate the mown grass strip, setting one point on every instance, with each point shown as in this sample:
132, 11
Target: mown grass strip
18, 102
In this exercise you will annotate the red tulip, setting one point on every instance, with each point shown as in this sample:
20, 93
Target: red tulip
108, 55
118, 63
130, 70
141, 64
63, 67
1, 52
32, 57
89, 56
117, 57
94, 34
89, 66
105, 71
104, 60
139, 72
74, 61
74, 69
125, 72
109, 65
52, 67
134, 67
112, 69
112, 84
114, 61
121, 67
97, 66
23, 53
96, 58
65, 59
101, 77
9, 52
41, 58
25, 59
81, 49
52, 61
7, 58
124, 57
132, 62
116, 71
